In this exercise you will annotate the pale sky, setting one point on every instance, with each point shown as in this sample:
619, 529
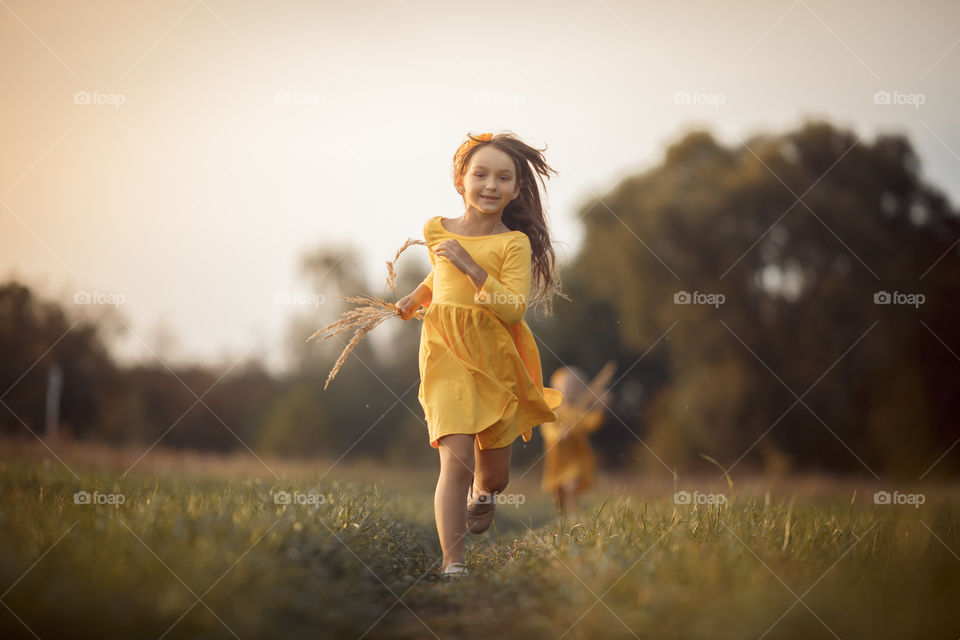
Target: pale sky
222, 140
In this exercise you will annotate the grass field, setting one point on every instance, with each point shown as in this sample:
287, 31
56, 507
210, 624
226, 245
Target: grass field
201, 548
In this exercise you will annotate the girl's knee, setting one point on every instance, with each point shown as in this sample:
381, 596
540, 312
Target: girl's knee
456, 457
456, 472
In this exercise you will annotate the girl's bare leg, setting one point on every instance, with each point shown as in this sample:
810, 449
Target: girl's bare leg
569, 492
493, 470
450, 499
558, 503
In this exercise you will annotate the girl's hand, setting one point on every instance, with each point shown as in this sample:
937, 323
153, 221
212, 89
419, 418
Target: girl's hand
408, 305
453, 251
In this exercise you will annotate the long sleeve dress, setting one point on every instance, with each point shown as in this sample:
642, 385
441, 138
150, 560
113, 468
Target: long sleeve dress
479, 364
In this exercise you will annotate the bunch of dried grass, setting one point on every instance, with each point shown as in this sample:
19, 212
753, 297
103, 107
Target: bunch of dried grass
367, 315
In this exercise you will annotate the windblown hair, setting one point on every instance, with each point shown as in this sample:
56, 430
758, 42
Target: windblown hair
525, 212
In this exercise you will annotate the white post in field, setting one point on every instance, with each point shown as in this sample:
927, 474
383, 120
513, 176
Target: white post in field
54, 387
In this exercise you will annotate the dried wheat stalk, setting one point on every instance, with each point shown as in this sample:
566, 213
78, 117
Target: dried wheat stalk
369, 312
391, 272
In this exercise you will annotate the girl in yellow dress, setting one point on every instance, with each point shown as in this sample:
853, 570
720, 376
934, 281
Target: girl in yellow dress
569, 466
481, 384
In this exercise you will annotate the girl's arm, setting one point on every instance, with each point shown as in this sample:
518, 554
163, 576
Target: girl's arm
428, 281
590, 421
408, 305
507, 296
421, 296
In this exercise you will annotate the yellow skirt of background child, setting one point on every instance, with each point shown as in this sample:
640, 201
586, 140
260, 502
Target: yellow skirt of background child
571, 457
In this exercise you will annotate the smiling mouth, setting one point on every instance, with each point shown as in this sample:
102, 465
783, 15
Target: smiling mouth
489, 198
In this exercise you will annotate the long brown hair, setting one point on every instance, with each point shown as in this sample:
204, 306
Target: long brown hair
525, 212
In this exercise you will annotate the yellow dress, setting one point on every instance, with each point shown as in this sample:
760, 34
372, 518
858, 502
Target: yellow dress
571, 457
479, 365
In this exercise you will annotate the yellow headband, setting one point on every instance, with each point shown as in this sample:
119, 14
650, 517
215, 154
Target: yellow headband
464, 148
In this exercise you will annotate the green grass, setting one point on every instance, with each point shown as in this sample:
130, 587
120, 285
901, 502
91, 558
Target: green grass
628, 567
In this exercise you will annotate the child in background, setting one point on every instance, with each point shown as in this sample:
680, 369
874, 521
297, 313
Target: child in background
569, 466
481, 384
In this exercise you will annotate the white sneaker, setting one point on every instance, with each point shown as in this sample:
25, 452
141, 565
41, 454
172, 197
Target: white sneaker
456, 570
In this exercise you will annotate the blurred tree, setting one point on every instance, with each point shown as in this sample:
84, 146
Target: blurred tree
34, 334
798, 232
189, 407
295, 425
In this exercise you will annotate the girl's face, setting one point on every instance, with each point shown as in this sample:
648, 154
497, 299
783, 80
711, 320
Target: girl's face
490, 181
